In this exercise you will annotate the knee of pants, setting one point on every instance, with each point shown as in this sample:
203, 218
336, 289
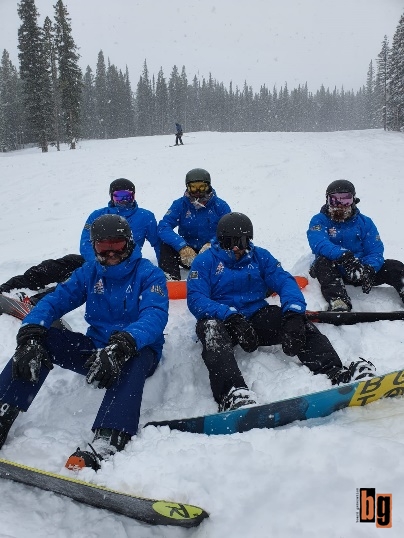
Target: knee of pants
213, 334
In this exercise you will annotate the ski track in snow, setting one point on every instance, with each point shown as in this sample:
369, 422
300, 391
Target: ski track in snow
298, 480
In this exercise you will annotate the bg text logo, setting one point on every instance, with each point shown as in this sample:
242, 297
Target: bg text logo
374, 507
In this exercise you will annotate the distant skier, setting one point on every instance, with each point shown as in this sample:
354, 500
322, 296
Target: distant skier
196, 215
348, 249
178, 134
126, 309
226, 291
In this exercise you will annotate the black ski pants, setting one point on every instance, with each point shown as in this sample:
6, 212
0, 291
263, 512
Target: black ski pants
332, 283
47, 272
218, 353
170, 261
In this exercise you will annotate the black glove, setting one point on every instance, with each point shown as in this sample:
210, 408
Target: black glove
30, 353
293, 333
239, 327
368, 278
353, 267
106, 364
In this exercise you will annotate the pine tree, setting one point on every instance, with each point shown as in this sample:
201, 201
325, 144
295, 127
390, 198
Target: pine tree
395, 113
70, 76
144, 104
370, 102
162, 104
88, 110
11, 114
101, 96
381, 80
51, 66
37, 93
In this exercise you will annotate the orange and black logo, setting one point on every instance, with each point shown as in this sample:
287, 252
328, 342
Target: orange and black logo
375, 507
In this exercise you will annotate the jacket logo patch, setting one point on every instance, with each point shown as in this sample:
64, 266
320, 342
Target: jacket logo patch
157, 289
99, 287
193, 274
219, 269
332, 232
316, 228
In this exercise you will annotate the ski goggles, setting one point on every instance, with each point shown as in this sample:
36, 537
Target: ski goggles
228, 243
120, 197
340, 199
106, 246
198, 186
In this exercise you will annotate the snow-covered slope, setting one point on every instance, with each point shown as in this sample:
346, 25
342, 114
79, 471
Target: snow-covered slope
296, 481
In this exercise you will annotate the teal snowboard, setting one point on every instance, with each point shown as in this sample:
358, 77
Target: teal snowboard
272, 415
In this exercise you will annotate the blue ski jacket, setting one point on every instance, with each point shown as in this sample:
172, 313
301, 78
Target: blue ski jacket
142, 222
130, 297
195, 226
218, 285
358, 234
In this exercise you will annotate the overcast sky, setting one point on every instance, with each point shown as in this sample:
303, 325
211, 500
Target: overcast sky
270, 42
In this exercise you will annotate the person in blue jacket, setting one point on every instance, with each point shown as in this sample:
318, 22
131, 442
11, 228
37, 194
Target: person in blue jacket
348, 249
196, 215
226, 290
122, 202
127, 310
48, 272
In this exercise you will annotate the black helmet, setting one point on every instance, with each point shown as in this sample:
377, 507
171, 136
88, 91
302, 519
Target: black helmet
197, 174
340, 185
236, 228
112, 227
121, 184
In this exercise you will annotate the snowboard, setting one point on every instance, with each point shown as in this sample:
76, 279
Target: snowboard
155, 512
177, 289
273, 415
350, 318
19, 309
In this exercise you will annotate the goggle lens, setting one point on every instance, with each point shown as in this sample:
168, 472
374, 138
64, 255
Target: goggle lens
198, 186
117, 246
228, 243
340, 199
123, 196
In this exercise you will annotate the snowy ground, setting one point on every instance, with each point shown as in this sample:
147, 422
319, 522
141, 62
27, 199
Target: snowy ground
295, 481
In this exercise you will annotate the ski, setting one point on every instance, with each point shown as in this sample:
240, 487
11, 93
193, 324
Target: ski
350, 318
154, 512
177, 289
281, 413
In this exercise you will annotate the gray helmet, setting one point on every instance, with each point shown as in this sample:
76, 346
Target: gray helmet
197, 174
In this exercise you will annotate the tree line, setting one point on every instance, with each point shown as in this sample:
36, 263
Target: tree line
48, 100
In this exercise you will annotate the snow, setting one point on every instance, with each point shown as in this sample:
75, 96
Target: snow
295, 481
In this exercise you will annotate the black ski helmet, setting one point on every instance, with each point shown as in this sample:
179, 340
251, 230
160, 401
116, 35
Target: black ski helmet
197, 174
112, 227
234, 225
121, 184
340, 185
